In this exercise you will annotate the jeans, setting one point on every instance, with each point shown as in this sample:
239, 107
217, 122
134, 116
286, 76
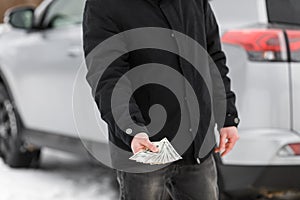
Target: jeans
178, 181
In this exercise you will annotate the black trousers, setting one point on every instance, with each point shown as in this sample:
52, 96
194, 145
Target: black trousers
178, 181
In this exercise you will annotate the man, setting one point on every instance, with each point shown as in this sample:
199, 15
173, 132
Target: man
193, 177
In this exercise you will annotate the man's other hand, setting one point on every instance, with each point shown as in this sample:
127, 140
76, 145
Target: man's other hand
228, 137
141, 142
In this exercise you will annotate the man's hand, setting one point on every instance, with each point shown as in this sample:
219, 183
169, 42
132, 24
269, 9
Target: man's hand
228, 137
141, 142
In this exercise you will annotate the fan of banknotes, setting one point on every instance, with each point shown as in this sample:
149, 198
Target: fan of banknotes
166, 154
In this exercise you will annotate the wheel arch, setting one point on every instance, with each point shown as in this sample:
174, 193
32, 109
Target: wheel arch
5, 83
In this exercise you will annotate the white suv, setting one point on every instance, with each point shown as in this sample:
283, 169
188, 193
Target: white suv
262, 41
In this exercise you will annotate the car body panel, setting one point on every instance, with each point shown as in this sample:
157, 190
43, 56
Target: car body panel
260, 147
295, 69
37, 83
88, 122
229, 17
265, 94
257, 86
277, 181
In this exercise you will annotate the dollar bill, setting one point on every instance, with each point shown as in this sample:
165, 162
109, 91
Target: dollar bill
166, 154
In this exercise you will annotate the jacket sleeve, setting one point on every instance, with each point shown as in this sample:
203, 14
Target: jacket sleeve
219, 58
97, 27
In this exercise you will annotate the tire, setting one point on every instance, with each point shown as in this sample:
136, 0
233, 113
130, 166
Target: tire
12, 149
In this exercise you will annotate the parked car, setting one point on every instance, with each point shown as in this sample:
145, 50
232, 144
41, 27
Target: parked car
41, 55
262, 42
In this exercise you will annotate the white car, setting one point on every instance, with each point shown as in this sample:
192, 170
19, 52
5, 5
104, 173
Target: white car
41, 56
261, 39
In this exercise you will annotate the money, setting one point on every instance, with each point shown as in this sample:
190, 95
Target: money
166, 154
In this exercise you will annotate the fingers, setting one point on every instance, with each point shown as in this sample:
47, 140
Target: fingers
228, 138
141, 142
228, 147
148, 144
222, 143
138, 149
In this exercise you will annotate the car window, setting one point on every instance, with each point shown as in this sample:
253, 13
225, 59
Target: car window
286, 11
64, 13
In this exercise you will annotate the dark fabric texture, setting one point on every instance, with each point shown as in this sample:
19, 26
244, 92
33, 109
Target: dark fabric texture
195, 18
178, 181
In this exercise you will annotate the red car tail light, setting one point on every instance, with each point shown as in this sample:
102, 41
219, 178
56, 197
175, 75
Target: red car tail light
260, 44
292, 149
294, 44
296, 148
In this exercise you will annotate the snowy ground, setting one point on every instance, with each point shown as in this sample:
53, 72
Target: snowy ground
61, 177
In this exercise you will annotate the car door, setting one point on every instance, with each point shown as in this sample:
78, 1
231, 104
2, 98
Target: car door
294, 45
286, 13
48, 62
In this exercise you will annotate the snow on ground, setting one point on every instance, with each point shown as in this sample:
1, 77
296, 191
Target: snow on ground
60, 177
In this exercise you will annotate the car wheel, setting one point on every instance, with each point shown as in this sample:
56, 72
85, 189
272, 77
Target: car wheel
12, 149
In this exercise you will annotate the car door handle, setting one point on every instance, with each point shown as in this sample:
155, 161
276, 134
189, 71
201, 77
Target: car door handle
75, 51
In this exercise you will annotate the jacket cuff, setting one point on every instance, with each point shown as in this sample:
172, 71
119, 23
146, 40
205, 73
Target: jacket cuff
231, 120
131, 132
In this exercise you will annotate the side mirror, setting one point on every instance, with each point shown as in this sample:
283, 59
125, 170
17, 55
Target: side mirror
20, 17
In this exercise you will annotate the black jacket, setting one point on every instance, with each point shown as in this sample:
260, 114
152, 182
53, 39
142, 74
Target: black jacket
105, 18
